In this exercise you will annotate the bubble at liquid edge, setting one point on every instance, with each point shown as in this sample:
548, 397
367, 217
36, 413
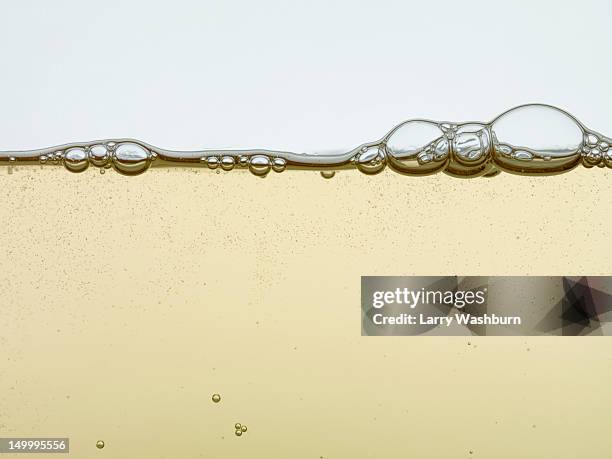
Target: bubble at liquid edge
260, 165
131, 159
529, 139
76, 159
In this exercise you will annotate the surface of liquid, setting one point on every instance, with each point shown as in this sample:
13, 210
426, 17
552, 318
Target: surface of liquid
533, 139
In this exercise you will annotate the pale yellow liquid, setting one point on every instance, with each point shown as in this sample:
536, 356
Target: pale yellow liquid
128, 301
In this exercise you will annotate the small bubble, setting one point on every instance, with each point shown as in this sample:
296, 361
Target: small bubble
212, 161
99, 155
238, 433
592, 140
279, 164
260, 165
243, 428
102, 171
216, 398
76, 160
522, 155
227, 163
372, 160
328, 174
424, 157
99, 444
238, 426
131, 158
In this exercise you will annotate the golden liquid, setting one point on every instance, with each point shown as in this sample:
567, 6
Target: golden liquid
128, 302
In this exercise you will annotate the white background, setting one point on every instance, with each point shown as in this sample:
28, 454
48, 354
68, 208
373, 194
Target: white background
299, 75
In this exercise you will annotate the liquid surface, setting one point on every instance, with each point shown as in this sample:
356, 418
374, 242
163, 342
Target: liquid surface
532, 139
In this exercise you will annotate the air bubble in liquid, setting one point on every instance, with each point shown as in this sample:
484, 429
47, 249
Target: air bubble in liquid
76, 160
260, 165
530, 139
591, 140
227, 163
607, 158
279, 164
212, 162
471, 143
406, 144
537, 131
522, 155
99, 155
371, 160
328, 174
131, 159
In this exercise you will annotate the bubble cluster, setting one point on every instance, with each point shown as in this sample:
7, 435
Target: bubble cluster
127, 158
239, 429
371, 160
596, 151
530, 139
